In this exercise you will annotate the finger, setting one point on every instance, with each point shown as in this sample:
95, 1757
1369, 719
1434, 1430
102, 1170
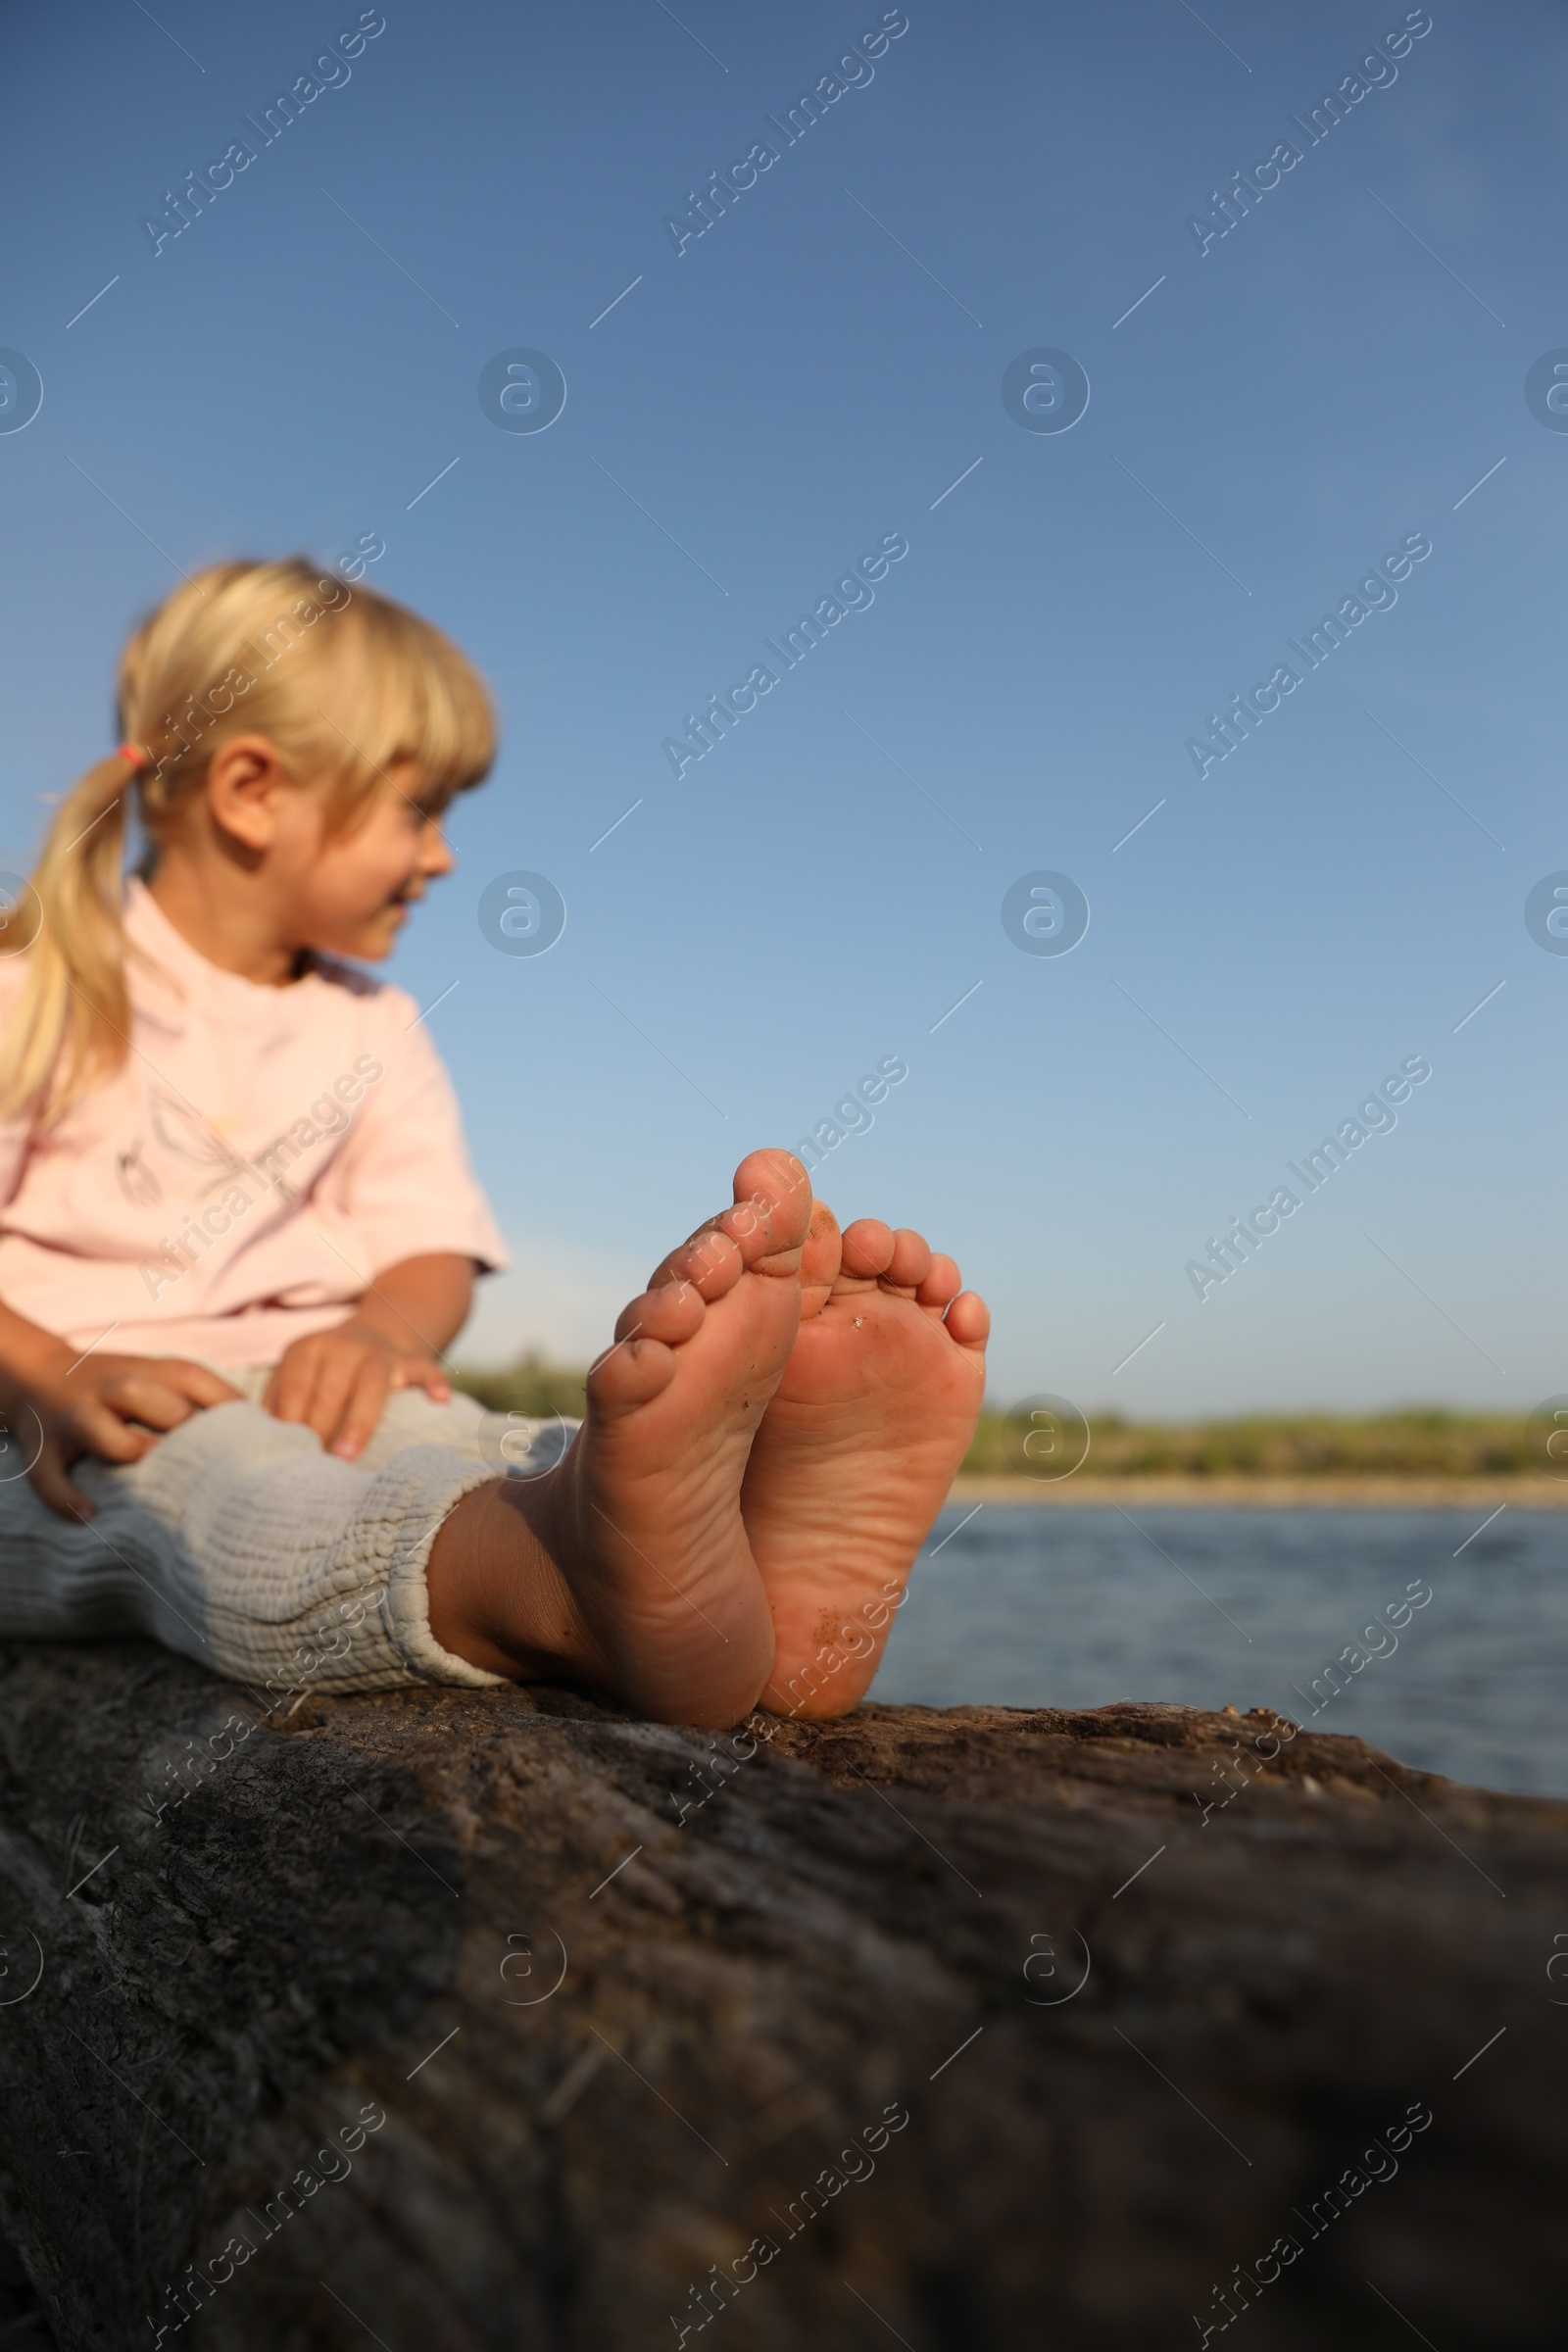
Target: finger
49, 1483
421, 1372
335, 1376
363, 1410
911, 1260
292, 1385
94, 1427
198, 1382
942, 1284
868, 1248
144, 1397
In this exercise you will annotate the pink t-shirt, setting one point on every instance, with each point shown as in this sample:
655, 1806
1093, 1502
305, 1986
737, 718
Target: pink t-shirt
261, 1156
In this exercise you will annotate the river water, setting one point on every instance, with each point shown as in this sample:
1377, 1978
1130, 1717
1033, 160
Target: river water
1031, 1606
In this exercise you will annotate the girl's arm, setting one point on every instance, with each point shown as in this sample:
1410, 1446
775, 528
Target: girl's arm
26, 1348
337, 1381
57, 1405
420, 1304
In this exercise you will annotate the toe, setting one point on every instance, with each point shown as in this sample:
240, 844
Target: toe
763, 1231
643, 1361
942, 1284
911, 1261
709, 1264
631, 1373
868, 1248
820, 1259
671, 1312
968, 1320
641, 1365
772, 1212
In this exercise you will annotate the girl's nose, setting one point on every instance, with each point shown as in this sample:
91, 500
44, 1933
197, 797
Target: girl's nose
436, 852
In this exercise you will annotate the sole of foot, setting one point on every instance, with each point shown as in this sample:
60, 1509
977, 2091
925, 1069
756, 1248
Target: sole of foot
857, 1452
627, 1567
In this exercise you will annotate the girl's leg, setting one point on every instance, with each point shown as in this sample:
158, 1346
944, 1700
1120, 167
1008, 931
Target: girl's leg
239, 1543
629, 1567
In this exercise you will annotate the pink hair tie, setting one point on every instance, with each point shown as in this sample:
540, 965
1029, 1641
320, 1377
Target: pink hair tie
134, 754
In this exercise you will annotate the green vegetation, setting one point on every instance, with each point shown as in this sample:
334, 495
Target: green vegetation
1418, 1441
532, 1385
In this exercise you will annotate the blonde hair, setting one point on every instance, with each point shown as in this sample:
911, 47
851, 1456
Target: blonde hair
342, 681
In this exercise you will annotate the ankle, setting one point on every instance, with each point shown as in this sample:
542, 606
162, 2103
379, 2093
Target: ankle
498, 1597
516, 1587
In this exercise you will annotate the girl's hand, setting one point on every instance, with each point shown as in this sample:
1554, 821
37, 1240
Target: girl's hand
337, 1381
115, 1406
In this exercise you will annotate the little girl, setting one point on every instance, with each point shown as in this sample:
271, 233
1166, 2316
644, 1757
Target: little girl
239, 1230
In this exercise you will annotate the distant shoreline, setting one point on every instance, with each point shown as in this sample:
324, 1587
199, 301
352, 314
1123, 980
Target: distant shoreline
1413, 1457
1330, 1491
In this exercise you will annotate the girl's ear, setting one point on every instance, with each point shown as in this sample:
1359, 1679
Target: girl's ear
246, 781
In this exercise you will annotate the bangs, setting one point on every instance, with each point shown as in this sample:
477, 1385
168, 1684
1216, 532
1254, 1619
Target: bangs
399, 690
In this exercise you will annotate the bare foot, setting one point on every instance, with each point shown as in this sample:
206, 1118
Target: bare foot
627, 1567
857, 1452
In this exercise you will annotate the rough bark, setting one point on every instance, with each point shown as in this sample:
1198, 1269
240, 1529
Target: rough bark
1123, 2076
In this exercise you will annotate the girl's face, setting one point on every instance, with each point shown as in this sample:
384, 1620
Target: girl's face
351, 892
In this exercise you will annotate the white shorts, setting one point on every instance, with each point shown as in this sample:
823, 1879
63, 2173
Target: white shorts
238, 1541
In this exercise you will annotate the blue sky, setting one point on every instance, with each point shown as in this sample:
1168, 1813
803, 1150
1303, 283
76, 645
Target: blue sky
758, 410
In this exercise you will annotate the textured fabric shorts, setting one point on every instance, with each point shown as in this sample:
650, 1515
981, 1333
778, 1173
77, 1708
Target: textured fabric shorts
238, 1541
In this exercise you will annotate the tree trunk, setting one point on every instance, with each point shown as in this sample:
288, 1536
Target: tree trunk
448, 2019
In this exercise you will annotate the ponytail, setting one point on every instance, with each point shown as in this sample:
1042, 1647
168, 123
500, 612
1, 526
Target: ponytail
72, 1022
